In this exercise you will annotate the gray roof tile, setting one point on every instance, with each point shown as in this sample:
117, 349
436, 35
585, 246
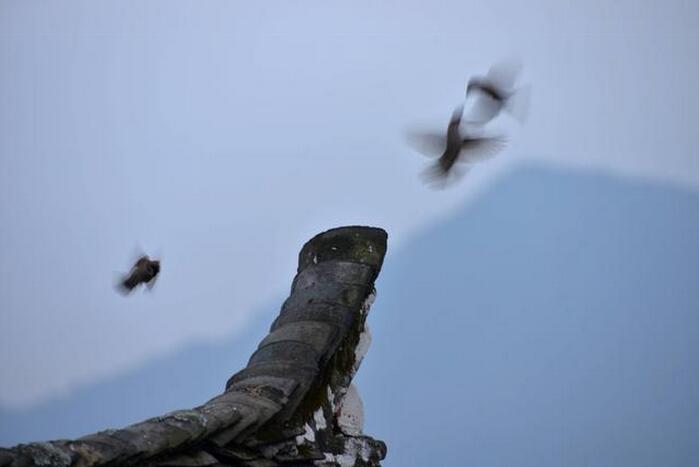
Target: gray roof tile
269, 412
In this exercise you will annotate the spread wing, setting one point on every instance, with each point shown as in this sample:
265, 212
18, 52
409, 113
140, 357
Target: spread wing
480, 149
431, 144
482, 109
150, 284
503, 75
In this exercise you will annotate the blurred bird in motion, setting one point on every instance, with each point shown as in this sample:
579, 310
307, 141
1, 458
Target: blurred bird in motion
457, 147
145, 271
495, 92
486, 97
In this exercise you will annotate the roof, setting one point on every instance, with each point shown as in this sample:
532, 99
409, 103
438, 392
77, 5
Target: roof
293, 404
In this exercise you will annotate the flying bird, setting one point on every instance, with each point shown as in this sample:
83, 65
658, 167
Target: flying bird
456, 147
496, 92
145, 271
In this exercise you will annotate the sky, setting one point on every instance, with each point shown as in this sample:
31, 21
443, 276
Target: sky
222, 135
523, 329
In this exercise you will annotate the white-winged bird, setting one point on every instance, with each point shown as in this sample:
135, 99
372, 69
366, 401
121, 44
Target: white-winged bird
145, 271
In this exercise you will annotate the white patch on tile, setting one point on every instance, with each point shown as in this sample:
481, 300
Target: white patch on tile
350, 417
308, 435
319, 418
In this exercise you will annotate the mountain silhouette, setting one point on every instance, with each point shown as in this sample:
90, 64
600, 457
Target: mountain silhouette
180, 380
553, 321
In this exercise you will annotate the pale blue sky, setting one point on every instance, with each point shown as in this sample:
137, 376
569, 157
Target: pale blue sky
224, 134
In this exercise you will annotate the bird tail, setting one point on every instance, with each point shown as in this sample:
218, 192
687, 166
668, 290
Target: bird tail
129, 283
518, 104
438, 177
434, 176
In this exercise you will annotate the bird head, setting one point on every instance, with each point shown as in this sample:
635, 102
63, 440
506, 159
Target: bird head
154, 266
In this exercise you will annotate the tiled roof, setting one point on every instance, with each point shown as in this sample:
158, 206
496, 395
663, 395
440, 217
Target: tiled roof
288, 405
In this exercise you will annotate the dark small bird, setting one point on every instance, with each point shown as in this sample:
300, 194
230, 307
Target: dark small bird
456, 147
145, 271
495, 92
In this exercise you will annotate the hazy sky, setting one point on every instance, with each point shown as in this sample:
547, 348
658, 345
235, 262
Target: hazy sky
223, 135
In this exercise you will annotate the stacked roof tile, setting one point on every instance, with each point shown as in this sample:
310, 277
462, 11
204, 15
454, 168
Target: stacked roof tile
291, 403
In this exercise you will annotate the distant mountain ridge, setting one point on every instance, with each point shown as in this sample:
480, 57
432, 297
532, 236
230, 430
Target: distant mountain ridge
552, 321
179, 380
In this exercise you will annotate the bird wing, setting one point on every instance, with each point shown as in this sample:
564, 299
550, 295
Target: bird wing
503, 75
480, 149
482, 110
151, 283
518, 103
430, 144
